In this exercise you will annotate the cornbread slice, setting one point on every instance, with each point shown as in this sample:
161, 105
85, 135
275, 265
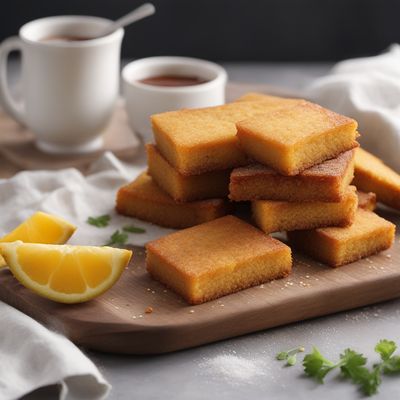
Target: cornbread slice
323, 182
369, 234
372, 175
217, 258
186, 187
201, 140
143, 199
295, 138
276, 216
366, 201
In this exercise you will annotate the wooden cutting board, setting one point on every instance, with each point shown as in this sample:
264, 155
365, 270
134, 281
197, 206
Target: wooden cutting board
117, 322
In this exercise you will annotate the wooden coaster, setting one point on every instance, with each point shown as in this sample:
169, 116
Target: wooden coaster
18, 148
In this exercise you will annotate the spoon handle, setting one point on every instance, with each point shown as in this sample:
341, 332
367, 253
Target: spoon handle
145, 10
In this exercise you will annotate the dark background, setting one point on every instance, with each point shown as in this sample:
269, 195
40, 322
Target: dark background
236, 30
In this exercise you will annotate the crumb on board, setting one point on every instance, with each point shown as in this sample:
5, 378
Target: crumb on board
148, 310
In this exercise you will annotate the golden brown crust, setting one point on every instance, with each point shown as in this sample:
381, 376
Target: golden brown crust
200, 140
216, 258
368, 235
183, 188
372, 175
276, 216
143, 199
200, 300
292, 139
324, 182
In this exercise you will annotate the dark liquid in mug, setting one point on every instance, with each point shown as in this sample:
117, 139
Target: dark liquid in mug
172, 80
64, 38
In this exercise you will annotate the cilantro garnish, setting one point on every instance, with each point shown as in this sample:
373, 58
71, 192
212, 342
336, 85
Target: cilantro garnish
133, 229
101, 221
117, 238
352, 365
290, 356
390, 364
316, 365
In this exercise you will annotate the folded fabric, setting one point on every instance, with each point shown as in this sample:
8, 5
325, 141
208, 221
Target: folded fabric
368, 90
75, 197
31, 356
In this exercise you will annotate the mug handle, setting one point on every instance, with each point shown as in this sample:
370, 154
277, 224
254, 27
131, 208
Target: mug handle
11, 106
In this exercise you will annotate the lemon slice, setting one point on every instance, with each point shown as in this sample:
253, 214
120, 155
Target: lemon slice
65, 273
40, 228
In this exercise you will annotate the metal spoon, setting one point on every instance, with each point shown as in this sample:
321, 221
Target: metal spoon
145, 10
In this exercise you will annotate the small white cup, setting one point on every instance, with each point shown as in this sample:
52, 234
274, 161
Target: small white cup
143, 100
69, 88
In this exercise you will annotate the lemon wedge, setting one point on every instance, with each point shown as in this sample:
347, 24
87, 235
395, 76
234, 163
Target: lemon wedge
40, 228
65, 273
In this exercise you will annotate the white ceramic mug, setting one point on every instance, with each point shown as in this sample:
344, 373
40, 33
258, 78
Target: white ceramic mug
143, 100
69, 88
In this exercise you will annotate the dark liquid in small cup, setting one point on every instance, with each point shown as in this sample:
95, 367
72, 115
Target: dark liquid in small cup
172, 80
64, 38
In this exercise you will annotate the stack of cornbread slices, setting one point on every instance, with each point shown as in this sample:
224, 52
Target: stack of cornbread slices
291, 160
305, 156
189, 166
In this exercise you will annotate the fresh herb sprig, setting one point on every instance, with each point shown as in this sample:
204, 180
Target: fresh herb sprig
352, 365
104, 220
117, 239
101, 221
390, 364
133, 229
290, 355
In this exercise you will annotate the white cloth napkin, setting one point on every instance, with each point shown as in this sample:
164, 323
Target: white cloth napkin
69, 194
31, 356
367, 89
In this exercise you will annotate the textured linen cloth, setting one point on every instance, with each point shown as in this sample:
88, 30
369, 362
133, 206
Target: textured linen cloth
367, 89
31, 356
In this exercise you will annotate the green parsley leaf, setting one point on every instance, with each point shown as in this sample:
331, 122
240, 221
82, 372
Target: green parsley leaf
118, 238
385, 348
392, 365
317, 366
292, 360
133, 229
290, 355
352, 366
100, 221
369, 381
283, 355
350, 361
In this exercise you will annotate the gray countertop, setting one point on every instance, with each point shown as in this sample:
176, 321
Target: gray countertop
245, 367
